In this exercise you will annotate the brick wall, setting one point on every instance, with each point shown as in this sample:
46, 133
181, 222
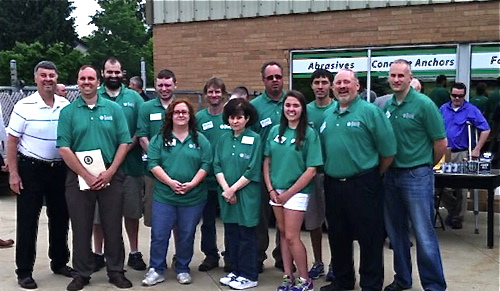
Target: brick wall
234, 50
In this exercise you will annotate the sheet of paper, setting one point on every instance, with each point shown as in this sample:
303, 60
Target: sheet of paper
93, 162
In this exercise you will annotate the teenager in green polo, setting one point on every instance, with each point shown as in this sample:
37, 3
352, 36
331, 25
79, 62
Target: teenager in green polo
237, 165
149, 121
292, 153
179, 157
209, 122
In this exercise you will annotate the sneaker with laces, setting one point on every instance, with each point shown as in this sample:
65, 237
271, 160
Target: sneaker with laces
136, 262
329, 276
317, 270
286, 284
184, 278
227, 279
152, 278
242, 283
302, 285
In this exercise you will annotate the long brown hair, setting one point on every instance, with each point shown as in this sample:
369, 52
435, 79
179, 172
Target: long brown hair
300, 131
168, 124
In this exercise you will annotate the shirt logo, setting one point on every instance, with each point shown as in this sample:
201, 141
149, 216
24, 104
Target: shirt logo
106, 117
128, 104
353, 123
224, 126
207, 125
192, 146
408, 115
244, 156
388, 114
171, 143
279, 140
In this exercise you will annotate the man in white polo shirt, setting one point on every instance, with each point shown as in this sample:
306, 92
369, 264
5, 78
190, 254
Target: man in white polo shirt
37, 172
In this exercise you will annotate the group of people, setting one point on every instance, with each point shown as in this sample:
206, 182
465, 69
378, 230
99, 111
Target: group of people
364, 170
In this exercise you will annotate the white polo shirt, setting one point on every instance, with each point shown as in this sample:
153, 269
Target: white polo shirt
35, 124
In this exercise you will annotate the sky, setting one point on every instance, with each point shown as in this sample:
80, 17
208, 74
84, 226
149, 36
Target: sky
83, 10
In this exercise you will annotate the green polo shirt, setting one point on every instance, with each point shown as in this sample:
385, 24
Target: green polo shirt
269, 113
181, 161
417, 123
212, 128
315, 113
354, 140
236, 157
129, 101
439, 95
481, 102
288, 163
103, 127
150, 119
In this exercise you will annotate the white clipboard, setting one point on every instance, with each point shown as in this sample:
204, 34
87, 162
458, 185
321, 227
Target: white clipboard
93, 162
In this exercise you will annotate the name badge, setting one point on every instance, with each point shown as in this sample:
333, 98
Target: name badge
247, 139
266, 122
207, 125
155, 116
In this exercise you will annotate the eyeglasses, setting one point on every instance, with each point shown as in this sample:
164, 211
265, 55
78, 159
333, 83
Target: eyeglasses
458, 95
272, 77
179, 112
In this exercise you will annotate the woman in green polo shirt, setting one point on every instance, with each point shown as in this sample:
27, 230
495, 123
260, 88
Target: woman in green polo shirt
179, 158
238, 169
292, 153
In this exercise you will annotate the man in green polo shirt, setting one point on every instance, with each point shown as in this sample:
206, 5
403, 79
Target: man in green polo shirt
150, 120
130, 101
269, 106
358, 145
321, 85
92, 123
409, 182
209, 122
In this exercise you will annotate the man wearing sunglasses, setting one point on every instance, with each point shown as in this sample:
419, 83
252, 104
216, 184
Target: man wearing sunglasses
457, 113
269, 106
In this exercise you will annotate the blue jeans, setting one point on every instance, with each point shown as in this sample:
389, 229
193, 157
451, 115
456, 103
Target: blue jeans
241, 250
409, 194
164, 218
208, 230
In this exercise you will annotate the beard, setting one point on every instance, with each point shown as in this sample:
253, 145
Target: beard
112, 83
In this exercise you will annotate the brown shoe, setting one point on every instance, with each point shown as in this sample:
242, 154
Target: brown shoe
6, 243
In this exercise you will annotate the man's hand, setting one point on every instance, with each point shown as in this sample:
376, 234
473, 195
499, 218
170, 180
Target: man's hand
103, 180
229, 195
15, 183
476, 153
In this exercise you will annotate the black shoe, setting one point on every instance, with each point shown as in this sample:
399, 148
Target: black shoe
394, 286
27, 283
99, 262
335, 286
120, 281
136, 262
78, 283
65, 271
208, 264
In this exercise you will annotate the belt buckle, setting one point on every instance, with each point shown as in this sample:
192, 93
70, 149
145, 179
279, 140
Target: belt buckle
343, 179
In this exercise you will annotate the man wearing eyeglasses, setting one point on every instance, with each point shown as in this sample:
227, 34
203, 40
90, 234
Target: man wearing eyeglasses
457, 113
269, 106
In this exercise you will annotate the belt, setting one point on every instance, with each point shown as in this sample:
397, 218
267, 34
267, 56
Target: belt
409, 168
353, 177
36, 161
458, 150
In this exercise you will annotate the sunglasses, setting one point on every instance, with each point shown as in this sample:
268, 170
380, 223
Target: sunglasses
272, 77
458, 95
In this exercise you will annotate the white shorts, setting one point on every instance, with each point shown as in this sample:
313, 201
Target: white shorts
297, 202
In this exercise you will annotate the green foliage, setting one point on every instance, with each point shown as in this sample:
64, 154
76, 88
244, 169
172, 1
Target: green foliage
122, 33
29, 21
67, 60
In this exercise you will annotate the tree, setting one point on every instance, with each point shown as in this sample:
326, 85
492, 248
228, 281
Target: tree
67, 60
121, 32
30, 21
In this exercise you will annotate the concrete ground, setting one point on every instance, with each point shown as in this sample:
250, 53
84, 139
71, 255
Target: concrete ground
468, 263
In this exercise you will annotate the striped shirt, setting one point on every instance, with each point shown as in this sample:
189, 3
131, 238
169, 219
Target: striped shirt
35, 124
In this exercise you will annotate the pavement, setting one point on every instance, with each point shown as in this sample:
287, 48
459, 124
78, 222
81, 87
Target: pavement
468, 263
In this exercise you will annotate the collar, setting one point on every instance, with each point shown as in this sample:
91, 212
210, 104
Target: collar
41, 104
268, 99
450, 106
408, 98
81, 103
102, 91
351, 107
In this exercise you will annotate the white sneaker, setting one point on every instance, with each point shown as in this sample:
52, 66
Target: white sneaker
152, 278
241, 283
227, 279
184, 278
